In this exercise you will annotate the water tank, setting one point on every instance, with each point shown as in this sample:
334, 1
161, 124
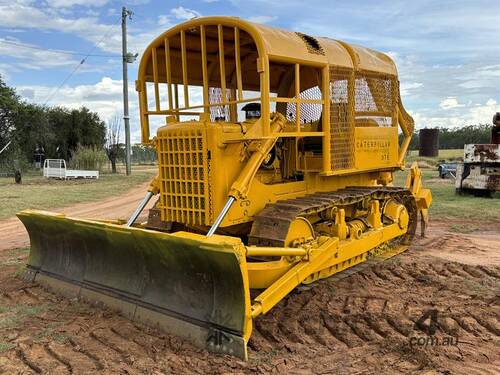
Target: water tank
429, 142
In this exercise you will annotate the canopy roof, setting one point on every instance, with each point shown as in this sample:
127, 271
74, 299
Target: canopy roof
257, 41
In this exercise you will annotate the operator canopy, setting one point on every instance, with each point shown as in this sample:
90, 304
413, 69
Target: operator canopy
256, 42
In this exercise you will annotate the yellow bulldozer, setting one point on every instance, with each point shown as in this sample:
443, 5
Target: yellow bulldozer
276, 153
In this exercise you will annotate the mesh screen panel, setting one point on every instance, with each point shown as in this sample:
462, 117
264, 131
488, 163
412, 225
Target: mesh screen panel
341, 118
374, 99
308, 112
221, 111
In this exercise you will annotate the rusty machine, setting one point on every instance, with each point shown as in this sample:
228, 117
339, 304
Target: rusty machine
479, 174
276, 152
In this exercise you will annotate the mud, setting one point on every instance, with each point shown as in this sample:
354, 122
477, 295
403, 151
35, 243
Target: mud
365, 323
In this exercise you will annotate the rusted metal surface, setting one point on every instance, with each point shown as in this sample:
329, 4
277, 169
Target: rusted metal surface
428, 142
271, 226
480, 172
495, 130
481, 153
478, 177
155, 222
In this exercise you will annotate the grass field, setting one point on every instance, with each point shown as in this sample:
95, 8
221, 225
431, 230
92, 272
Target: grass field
444, 155
448, 205
38, 192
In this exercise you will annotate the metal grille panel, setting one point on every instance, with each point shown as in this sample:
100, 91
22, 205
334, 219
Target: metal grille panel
375, 98
341, 118
221, 111
183, 176
309, 112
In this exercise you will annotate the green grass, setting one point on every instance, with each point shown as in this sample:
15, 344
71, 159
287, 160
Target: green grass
464, 228
5, 346
14, 257
13, 315
448, 205
444, 156
50, 331
38, 192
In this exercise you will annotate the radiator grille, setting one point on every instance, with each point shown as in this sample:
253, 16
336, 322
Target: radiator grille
183, 175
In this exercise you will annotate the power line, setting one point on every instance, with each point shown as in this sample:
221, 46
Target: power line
80, 63
56, 50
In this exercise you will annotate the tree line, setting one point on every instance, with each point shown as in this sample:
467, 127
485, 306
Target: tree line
61, 132
56, 131
455, 138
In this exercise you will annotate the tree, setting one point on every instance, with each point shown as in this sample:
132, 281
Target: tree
13, 112
455, 138
9, 106
143, 154
113, 140
59, 131
73, 128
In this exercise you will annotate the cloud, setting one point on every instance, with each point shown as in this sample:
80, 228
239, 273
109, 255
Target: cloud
138, 2
25, 55
448, 70
103, 97
27, 93
23, 15
6, 70
163, 20
262, 19
441, 50
450, 103
482, 77
182, 13
71, 3
461, 115
406, 88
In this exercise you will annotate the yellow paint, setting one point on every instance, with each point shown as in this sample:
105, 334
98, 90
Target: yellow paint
351, 95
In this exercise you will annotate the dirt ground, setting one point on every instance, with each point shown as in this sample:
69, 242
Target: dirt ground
364, 323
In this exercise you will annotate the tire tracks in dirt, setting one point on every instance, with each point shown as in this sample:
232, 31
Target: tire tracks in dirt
339, 325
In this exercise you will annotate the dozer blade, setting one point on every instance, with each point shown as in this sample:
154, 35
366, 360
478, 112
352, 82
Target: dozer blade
187, 284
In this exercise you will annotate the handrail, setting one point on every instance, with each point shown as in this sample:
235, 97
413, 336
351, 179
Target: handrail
407, 125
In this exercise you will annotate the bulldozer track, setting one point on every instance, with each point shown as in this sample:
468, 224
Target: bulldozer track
271, 225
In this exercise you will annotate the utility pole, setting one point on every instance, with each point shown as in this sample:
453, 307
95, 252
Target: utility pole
126, 57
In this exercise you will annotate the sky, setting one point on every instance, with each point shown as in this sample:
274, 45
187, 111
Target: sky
447, 52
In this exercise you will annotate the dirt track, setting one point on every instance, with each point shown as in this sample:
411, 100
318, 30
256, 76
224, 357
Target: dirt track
361, 324
13, 234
